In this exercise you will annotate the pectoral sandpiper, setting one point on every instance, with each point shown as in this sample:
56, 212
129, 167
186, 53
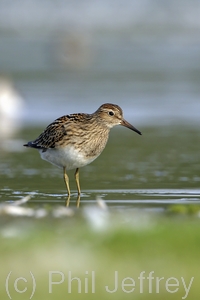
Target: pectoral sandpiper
75, 140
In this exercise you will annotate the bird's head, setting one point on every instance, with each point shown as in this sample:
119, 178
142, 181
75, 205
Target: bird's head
112, 115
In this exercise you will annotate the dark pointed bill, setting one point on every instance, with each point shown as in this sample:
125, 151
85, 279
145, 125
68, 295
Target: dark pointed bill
128, 125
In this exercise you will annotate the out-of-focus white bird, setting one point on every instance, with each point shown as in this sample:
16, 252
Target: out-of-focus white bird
11, 106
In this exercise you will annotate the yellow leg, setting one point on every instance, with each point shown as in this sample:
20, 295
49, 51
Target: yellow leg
77, 181
78, 200
66, 179
67, 201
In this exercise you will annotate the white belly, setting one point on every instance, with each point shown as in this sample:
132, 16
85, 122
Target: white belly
68, 157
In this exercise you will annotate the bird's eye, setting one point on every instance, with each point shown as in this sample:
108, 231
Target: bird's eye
111, 113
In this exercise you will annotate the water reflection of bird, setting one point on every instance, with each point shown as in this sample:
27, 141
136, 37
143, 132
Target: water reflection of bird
11, 105
75, 140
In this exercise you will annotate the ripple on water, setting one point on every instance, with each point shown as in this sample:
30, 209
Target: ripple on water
117, 197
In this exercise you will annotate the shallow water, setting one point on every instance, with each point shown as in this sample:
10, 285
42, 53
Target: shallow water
155, 170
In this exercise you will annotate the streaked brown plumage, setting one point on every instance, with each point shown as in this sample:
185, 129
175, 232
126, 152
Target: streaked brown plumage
75, 140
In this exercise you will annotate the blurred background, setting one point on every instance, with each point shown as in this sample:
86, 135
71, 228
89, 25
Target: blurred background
60, 57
